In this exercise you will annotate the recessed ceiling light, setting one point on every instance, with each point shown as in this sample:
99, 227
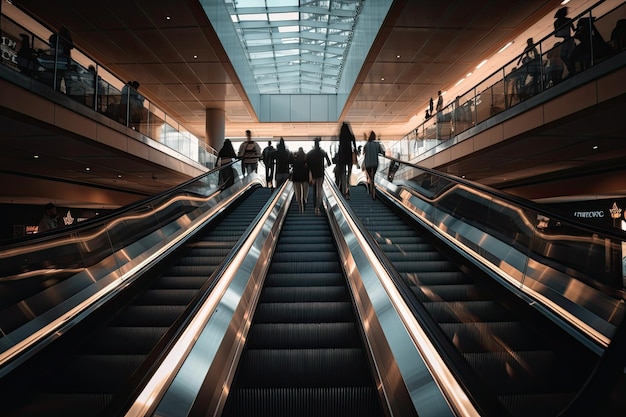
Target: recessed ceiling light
382, 78
195, 57
119, 175
595, 147
168, 18
505, 46
481, 64
36, 156
397, 56
87, 169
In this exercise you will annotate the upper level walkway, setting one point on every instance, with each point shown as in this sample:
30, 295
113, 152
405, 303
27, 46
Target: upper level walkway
534, 120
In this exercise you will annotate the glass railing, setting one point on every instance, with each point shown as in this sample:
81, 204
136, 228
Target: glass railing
46, 278
572, 269
555, 59
81, 78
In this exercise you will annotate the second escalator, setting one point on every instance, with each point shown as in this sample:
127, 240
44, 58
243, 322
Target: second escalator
517, 359
94, 368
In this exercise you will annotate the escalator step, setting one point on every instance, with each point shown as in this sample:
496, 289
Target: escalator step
303, 368
409, 238
125, 340
467, 311
198, 270
417, 266
303, 312
304, 246
166, 296
525, 372
304, 279
301, 257
408, 247
461, 292
539, 405
179, 282
409, 256
95, 373
437, 277
151, 316
303, 294
303, 335
304, 266
63, 405
197, 260
492, 337
304, 402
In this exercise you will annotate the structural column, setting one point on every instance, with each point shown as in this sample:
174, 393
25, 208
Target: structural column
215, 128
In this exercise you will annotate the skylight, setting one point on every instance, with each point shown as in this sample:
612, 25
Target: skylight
295, 46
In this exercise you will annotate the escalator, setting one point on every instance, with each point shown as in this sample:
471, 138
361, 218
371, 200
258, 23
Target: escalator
511, 359
95, 367
304, 355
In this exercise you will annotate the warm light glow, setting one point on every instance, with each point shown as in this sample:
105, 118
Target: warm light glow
481, 64
505, 46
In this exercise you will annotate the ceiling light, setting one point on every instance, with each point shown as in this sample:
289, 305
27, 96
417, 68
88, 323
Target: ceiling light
564, 2
468, 74
382, 78
481, 64
87, 169
36, 156
397, 56
459, 82
167, 18
595, 147
119, 175
195, 57
505, 46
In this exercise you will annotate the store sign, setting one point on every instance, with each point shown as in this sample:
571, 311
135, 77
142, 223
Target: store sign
8, 49
595, 214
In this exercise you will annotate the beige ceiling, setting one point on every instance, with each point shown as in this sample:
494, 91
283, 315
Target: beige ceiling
424, 46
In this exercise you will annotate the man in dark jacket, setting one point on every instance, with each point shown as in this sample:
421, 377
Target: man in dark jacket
315, 162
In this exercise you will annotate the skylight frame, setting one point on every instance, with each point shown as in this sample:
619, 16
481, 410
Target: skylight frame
315, 52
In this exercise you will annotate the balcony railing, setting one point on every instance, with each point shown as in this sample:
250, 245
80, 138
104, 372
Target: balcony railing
75, 74
548, 62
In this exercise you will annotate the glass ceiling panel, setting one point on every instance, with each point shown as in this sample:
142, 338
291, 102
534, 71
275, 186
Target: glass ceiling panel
295, 46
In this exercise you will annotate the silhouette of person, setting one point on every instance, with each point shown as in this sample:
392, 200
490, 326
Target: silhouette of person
315, 161
347, 145
371, 150
98, 91
26, 56
282, 158
590, 42
269, 165
49, 220
61, 46
250, 152
136, 105
554, 66
618, 36
431, 106
439, 102
531, 65
530, 53
300, 178
224, 157
563, 28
